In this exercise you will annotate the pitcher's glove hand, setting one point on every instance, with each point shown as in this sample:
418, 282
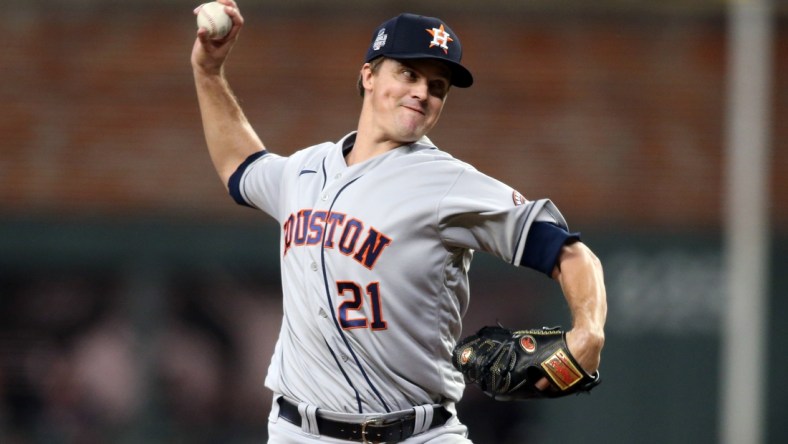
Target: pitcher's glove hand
506, 365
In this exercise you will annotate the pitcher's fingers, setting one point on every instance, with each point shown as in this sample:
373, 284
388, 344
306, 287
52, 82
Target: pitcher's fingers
542, 384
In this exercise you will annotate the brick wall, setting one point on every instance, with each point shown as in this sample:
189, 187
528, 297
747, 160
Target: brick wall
618, 119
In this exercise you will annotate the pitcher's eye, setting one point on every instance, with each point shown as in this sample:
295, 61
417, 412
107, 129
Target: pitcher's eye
408, 74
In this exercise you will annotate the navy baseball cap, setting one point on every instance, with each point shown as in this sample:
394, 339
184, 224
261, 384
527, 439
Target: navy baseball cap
411, 36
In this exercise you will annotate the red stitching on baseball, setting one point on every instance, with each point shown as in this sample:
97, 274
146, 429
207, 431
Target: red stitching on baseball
213, 29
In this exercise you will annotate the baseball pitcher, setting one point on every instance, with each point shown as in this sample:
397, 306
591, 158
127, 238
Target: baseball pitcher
378, 230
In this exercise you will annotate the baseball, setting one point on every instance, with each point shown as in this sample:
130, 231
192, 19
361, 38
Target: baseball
213, 18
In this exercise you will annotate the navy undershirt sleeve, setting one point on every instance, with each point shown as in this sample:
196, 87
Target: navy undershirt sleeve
543, 246
234, 184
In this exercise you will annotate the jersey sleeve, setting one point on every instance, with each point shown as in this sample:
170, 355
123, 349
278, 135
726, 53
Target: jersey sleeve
481, 213
256, 182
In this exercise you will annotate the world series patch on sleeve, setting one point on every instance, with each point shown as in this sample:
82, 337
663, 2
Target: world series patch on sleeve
506, 365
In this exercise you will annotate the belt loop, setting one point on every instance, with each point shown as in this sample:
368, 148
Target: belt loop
308, 418
423, 421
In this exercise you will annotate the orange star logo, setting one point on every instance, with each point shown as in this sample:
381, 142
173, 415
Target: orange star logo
440, 38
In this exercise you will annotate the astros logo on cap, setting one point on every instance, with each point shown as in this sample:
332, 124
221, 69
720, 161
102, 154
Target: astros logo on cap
440, 38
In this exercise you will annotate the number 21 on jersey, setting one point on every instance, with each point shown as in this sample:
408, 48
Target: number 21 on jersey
351, 311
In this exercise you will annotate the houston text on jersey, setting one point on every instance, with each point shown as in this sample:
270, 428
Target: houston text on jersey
336, 230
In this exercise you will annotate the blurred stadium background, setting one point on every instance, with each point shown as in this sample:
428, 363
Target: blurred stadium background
139, 304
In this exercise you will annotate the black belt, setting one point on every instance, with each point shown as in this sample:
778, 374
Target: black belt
372, 430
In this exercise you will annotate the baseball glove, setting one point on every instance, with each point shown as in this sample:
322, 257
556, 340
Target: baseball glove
506, 365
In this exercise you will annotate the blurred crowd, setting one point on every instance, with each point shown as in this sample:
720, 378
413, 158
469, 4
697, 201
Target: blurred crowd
79, 363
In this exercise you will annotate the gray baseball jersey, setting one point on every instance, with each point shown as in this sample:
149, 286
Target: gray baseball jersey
374, 262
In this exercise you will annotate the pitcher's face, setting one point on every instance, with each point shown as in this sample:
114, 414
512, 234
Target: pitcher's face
407, 97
